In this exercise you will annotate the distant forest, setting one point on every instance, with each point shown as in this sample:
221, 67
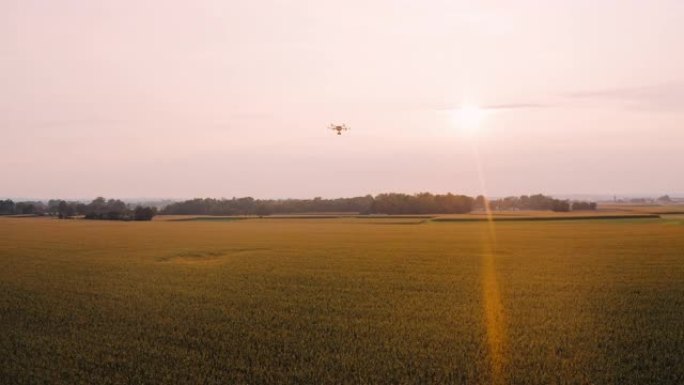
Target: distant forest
390, 203
99, 208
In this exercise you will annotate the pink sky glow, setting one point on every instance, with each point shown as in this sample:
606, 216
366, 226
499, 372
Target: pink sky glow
184, 99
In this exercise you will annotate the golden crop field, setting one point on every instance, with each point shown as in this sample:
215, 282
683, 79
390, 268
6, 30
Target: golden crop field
342, 301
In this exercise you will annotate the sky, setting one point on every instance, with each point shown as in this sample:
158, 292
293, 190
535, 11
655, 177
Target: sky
217, 98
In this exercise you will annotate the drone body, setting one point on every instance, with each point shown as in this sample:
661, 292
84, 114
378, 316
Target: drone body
339, 128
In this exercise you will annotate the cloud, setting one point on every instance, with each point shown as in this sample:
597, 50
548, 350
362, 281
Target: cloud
663, 96
514, 106
499, 107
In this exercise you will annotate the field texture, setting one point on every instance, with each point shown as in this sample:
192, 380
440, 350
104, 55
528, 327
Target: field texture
342, 301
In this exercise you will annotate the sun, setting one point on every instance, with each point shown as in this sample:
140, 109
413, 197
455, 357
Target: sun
469, 117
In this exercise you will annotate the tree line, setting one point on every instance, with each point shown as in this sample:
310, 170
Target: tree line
389, 203
8, 207
261, 207
539, 202
99, 208
423, 203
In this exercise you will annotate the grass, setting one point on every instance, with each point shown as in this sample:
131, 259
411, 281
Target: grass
670, 208
557, 217
207, 219
341, 301
522, 215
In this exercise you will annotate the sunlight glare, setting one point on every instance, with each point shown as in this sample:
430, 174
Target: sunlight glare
468, 118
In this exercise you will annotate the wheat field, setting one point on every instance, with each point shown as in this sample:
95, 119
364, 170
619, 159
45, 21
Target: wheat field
342, 301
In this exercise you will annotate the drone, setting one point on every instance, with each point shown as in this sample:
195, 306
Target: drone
339, 128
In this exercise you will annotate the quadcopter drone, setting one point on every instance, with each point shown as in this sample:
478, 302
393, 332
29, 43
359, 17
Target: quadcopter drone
339, 128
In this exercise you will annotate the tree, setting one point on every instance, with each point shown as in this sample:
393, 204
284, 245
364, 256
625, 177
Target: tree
480, 203
262, 209
6, 207
116, 209
583, 206
24, 208
144, 213
560, 205
423, 203
112, 209
53, 206
65, 210
97, 207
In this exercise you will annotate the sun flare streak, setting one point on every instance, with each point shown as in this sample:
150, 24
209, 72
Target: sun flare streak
491, 295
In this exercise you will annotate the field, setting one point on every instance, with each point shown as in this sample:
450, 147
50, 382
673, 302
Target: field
342, 301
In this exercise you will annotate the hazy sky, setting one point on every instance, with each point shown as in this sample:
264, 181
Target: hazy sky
232, 98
